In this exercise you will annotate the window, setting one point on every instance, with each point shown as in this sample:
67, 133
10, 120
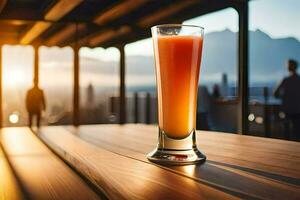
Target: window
17, 79
140, 82
218, 75
274, 39
99, 85
56, 79
217, 104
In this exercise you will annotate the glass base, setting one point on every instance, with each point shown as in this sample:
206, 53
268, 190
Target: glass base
171, 151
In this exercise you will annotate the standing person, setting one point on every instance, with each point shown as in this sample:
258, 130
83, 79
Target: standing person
289, 91
35, 103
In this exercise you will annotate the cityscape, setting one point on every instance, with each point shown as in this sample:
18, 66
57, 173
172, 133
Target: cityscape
97, 92
100, 99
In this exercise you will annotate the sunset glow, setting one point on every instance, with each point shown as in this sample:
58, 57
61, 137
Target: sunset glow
15, 78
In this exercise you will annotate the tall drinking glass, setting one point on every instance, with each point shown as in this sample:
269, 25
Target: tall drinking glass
177, 50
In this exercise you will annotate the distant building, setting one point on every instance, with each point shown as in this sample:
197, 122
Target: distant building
224, 85
90, 97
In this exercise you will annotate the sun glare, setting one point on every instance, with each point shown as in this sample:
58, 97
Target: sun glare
14, 78
14, 118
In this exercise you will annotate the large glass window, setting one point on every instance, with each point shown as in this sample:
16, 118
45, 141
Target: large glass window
99, 84
217, 105
17, 79
217, 98
140, 82
274, 40
56, 79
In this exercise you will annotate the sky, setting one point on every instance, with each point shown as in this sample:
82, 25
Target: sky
278, 18
17, 65
109, 54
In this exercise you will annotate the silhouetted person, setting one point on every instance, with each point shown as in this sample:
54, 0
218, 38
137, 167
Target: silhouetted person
35, 103
289, 91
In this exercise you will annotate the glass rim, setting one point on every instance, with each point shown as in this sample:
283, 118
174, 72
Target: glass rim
177, 25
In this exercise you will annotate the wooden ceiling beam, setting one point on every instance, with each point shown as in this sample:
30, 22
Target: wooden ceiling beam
102, 18
107, 35
66, 32
164, 12
34, 32
9, 39
97, 38
117, 11
139, 33
15, 22
59, 10
2, 4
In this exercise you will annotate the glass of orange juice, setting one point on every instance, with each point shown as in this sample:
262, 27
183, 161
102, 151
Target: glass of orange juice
177, 51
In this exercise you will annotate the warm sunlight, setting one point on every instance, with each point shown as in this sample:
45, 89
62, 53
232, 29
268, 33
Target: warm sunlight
17, 66
14, 78
149, 99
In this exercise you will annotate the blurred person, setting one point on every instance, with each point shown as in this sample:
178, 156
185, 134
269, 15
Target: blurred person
35, 103
289, 92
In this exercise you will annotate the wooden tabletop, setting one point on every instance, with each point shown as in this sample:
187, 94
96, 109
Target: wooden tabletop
113, 159
9, 187
34, 172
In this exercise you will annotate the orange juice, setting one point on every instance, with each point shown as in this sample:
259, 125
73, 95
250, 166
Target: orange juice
177, 71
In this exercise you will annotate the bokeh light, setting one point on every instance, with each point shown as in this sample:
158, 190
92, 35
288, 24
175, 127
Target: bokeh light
14, 118
251, 117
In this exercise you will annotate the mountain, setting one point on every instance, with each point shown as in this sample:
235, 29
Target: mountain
267, 59
219, 56
267, 56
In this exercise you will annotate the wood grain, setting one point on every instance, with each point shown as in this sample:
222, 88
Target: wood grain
255, 175
9, 188
40, 172
125, 178
271, 155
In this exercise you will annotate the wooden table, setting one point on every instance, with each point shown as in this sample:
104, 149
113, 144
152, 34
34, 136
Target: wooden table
113, 159
29, 170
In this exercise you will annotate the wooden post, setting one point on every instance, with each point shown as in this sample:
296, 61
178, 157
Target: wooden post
122, 102
266, 113
136, 107
112, 105
243, 89
1, 111
148, 108
36, 65
76, 117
